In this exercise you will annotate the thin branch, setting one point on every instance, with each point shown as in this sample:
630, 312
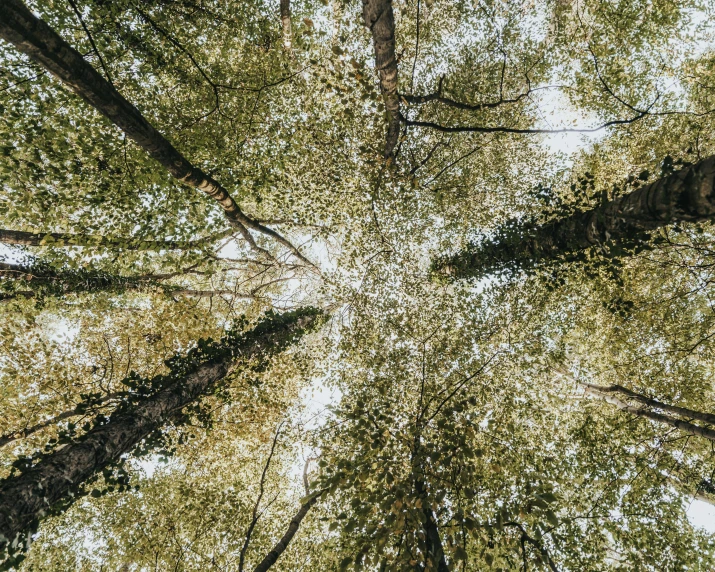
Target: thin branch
91, 40
255, 516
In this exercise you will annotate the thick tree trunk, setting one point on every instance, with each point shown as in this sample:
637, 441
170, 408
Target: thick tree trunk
272, 557
686, 196
433, 541
23, 238
26, 498
286, 24
45, 47
378, 17
435, 551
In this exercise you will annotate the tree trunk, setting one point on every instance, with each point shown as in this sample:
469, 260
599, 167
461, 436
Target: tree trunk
272, 557
433, 542
378, 17
45, 47
23, 238
708, 418
286, 24
685, 196
684, 426
17, 280
26, 498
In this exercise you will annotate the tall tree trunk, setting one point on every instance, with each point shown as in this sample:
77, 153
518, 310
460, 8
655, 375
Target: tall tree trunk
433, 542
18, 280
286, 25
684, 426
378, 17
26, 498
687, 196
653, 403
45, 47
23, 238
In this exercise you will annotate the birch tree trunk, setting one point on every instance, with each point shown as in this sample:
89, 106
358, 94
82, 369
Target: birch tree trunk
379, 19
286, 25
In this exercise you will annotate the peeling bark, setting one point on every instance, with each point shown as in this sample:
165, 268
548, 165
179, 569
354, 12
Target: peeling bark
44, 46
379, 19
286, 24
23, 238
685, 196
26, 498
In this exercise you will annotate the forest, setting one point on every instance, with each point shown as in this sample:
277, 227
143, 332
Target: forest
340, 285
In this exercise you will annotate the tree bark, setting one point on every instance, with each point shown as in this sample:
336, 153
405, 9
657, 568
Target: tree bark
379, 19
684, 426
272, 557
23, 238
26, 498
44, 46
39, 281
685, 196
433, 541
654, 403
286, 24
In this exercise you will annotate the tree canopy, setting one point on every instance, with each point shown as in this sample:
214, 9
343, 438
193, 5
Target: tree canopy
328, 285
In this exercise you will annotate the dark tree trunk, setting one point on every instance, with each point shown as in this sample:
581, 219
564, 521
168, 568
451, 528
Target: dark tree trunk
686, 196
433, 541
272, 557
17, 280
26, 498
45, 47
23, 238
378, 17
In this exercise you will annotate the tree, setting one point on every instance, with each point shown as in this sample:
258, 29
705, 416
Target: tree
27, 497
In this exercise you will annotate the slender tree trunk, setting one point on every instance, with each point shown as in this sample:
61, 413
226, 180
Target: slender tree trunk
45, 47
433, 542
654, 403
23, 238
32, 429
26, 498
272, 557
286, 24
379, 19
684, 426
685, 196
